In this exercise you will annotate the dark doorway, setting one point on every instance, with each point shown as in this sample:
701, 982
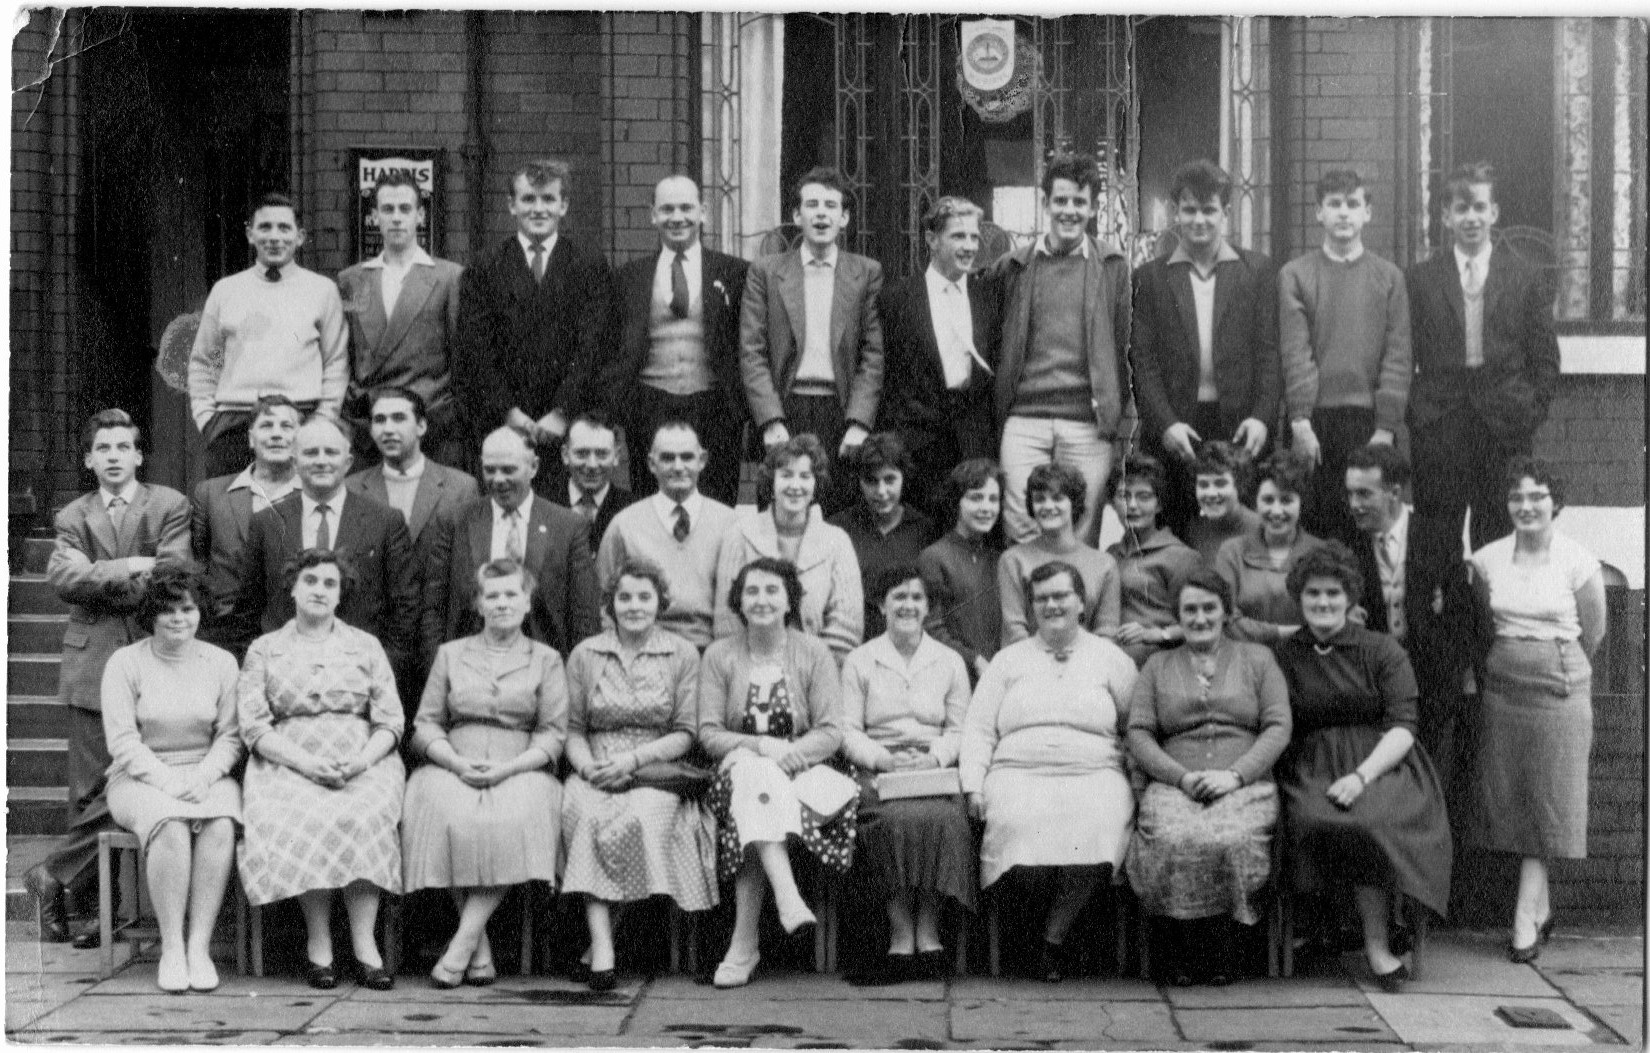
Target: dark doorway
184, 119
1178, 79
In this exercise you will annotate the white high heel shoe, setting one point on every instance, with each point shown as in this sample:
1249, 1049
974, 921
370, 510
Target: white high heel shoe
735, 972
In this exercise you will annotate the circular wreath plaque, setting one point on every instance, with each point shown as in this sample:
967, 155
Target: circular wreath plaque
1012, 99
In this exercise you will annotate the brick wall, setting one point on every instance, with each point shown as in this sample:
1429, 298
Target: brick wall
648, 113
1594, 437
1343, 105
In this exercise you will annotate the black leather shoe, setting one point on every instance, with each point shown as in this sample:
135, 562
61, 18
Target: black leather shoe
602, 979
1393, 982
374, 977
49, 905
89, 938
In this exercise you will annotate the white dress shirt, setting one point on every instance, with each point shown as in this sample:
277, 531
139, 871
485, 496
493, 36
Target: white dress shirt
526, 244
401, 488
818, 291
953, 326
393, 276
1391, 549
310, 521
1472, 299
262, 497
665, 508
125, 493
501, 528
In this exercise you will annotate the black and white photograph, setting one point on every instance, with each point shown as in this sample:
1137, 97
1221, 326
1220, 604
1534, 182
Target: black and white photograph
878, 529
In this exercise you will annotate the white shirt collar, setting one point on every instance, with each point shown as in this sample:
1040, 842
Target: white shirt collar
1351, 257
412, 474
574, 493
1399, 527
499, 513
808, 257
666, 508
690, 255
335, 505
416, 258
526, 244
1461, 259
1225, 254
125, 493
938, 281
1044, 250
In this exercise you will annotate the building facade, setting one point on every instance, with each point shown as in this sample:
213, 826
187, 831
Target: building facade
140, 135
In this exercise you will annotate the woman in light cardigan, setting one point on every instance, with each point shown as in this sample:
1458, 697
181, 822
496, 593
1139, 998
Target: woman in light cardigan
904, 698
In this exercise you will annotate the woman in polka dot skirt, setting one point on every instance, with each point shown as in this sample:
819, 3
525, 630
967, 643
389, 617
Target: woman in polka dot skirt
770, 708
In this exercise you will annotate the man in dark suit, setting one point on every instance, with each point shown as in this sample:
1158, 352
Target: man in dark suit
585, 483
406, 480
402, 310
1205, 341
678, 353
1486, 364
510, 522
1376, 476
222, 508
533, 317
383, 599
107, 543
939, 337
810, 342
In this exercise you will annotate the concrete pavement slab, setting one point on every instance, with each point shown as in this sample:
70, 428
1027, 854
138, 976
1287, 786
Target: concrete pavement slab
1269, 993
164, 1012
1434, 1019
351, 1015
1476, 967
1288, 1025
215, 1037
530, 990
452, 1038
1087, 989
138, 978
1145, 1023
29, 997
1597, 987
742, 1017
1626, 1020
1569, 950
786, 986
30, 956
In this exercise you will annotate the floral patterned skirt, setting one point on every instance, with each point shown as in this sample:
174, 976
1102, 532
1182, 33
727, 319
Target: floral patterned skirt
829, 837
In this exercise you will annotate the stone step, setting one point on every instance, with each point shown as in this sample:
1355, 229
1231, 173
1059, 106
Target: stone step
32, 674
35, 633
36, 717
33, 594
37, 552
38, 810
36, 762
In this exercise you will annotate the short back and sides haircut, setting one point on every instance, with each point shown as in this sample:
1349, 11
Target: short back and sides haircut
1203, 179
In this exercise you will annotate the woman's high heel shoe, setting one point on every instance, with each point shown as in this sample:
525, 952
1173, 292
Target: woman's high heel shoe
736, 972
444, 979
1525, 955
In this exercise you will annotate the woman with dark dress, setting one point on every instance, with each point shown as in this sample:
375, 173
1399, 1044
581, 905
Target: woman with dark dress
1361, 802
960, 569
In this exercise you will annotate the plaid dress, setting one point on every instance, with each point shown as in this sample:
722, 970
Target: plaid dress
327, 697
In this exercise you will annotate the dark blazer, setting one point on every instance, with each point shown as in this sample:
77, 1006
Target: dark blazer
408, 349
723, 278
219, 520
1373, 600
525, 343
617, 500
1521, 365
913, 380
88, 569
441, 491
567, 602
772, 329
1165, 354
384, 600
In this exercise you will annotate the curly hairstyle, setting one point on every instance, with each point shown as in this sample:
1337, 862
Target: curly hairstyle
1141, 466
1204, 578
890, 578
1058, 479
636, 567
1219, 457
794, 449
1539, 472
1286, 470
1332, 559
315, 557
785, 571
884, 449
503, 568
1081, 169
172, 582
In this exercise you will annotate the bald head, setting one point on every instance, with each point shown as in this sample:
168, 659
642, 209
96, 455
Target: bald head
508, 465
677, 214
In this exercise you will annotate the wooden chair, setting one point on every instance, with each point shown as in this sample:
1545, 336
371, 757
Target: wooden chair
122, 848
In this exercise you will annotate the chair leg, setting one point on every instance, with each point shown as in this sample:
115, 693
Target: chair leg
821, 927
241, 934
105, 908
256, 921
529, 922
1286, 911
1274, 940
994, 939
1421, 921
963, 918
674, 924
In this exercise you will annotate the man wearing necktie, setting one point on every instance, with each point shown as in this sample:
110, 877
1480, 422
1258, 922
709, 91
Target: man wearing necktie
678, 353
1486, 364
588, 459
678, 529
939, 338
274, 328
510, 522
533, 318
381, 597
107, 543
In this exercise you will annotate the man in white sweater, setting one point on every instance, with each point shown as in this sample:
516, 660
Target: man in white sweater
678, 529
272, 329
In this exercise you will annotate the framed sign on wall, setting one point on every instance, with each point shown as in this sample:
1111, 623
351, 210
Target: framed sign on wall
366, 165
